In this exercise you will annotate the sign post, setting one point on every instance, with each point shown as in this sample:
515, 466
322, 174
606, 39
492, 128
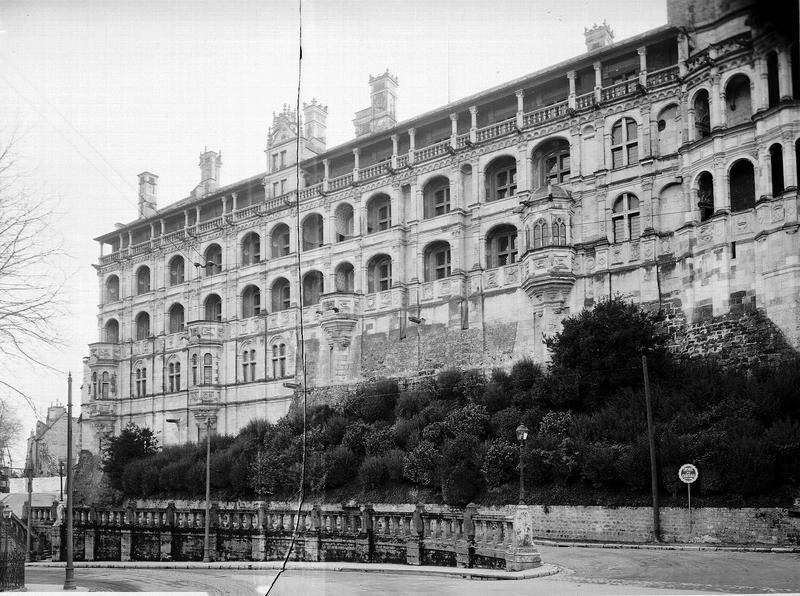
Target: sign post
688, 474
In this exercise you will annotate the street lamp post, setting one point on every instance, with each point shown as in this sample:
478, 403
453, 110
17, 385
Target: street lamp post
69, 571
522, 436
207, 540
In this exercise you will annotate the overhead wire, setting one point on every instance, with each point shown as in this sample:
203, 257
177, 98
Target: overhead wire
301, 327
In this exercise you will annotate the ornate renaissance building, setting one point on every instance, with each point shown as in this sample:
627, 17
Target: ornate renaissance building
663, 167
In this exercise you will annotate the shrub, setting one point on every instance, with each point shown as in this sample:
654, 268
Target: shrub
448, 385
373, 472
394, 461
472, 419
598, 464
495, 397
131, 481
411, 403
132, 444
500, 462
379, 441
271, 472
471, 386
407, 433
354, 436
437, 410
375, 402
435, 433
599, 346
342, 464
460, 465
504, 423
420, 465
333, 430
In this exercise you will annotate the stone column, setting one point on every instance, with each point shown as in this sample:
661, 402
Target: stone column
196, 215
523, 553
365, 543
646, 134
764, 174
355, 164
234, 197
642, 51
722, 201
789, 163
465, 545
571, 98
395, 140
784, 74
411, 144
414, 542
454, 130
473, 124
520, 107
598, 81
576, 167
326, 164
761, 83
523, 168
683, 54
717, 100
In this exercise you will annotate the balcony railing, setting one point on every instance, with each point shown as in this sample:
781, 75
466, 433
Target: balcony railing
545, 114
246, 212
584, 101
622, 89
138, 249
665, 76
374, 170
340, 181
402, 161
209, 225
496, 130
431, 151
310, 191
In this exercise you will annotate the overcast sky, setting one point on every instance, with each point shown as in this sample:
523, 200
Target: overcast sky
103, 90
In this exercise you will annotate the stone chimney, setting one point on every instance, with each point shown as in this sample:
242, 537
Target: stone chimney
381, 114
315, 116
148, 185
210, 163
598, 36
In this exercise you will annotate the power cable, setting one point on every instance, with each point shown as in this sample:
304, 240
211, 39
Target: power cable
301, 343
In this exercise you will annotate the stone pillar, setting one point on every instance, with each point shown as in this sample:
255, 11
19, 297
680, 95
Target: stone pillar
722, 200
764, 174
90, 533
642, 51
646, 137
313, 540
395, 140
411, 144
522, 553
784, 74
717, 100
258, 540
761, 84
234, 196
523, 168
454, 130
414, 542
789, 163
520, 107
473, 124
196, 215
465, 546
125, 545
683, 54
55, 541
355, 164
576, 167
571, 98
598, 81
365, 544
326, 164
167, 530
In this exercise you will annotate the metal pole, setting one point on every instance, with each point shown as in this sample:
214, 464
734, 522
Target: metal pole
30, 506
207, 540
69, 575
651, 435
61, 481
689, 488
521, 475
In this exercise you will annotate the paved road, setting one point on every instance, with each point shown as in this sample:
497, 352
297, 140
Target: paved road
586, 571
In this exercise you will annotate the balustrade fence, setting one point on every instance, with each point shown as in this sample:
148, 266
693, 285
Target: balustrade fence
443, 536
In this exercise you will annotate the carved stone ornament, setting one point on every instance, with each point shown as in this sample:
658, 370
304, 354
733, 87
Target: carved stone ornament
338, 329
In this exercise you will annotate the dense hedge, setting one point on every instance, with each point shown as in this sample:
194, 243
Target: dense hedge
456, 442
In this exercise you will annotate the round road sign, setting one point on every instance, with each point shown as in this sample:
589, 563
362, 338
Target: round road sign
688, 473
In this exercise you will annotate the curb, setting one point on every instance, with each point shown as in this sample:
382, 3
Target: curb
484, 574
681, 547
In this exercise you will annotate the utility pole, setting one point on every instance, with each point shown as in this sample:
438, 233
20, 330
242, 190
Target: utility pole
651, 435
69, 576
206, 541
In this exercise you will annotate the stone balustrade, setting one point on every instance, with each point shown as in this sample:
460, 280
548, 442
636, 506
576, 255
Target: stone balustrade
406, 534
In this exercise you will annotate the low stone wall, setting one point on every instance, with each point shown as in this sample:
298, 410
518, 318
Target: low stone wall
416, 535
770, 526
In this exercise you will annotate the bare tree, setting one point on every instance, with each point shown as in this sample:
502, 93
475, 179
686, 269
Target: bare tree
10, 429
30, 282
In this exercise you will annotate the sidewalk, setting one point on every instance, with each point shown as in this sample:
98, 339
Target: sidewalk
494, 574
673, 546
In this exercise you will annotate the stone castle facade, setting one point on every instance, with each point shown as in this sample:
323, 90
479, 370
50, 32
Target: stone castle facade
663, 167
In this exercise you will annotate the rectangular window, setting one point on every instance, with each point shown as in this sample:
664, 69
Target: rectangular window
633, 153
283, 186
275, 189
634, 226
283, 159
619, 229
441, 201
384, 276
384, 217
442, 264
274, 162
616, 158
